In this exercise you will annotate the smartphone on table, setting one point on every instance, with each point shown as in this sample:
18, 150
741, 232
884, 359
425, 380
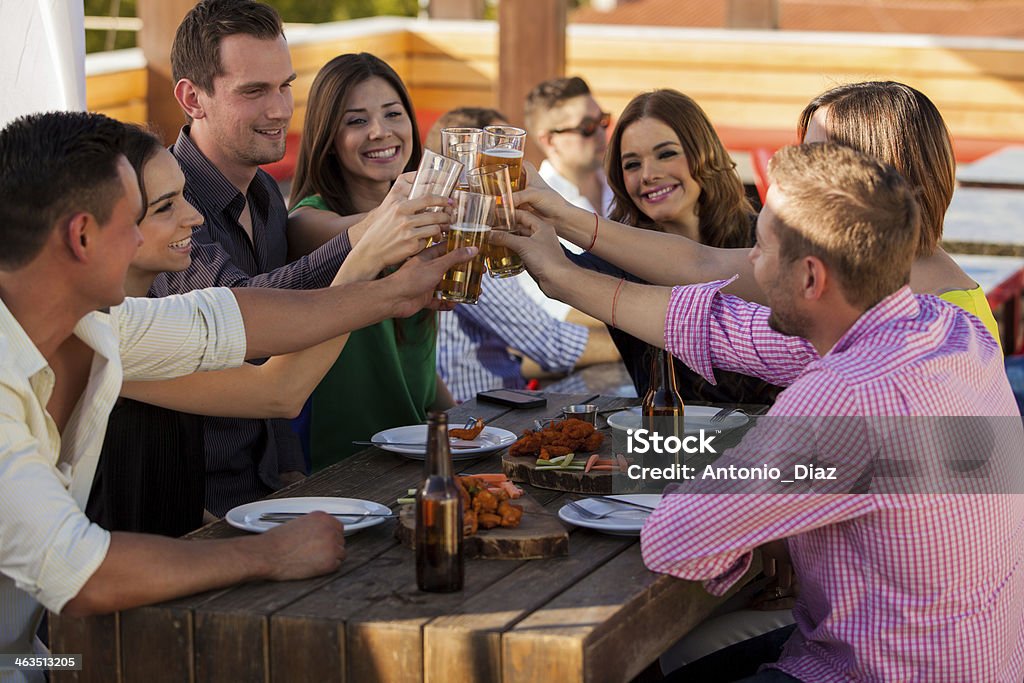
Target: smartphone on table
512, 398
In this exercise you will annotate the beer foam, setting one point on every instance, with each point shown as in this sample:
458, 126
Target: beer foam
471, 227
504, 153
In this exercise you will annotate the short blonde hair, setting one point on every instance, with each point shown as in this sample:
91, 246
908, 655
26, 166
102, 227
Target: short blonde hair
857, 215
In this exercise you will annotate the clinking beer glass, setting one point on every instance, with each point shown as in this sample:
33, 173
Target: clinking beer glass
471, 227
504, 145
493, 180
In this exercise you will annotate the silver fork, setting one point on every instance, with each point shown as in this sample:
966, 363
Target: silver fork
588, 514
724, 413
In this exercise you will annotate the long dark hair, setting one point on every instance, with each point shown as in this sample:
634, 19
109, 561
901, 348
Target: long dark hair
723, 210
899, 126
139, 145
318, 170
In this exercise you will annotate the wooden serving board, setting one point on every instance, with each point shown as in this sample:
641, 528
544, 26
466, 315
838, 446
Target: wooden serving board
540, 534
524, 469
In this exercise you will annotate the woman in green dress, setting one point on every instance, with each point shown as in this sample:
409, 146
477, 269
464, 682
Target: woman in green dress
359, 136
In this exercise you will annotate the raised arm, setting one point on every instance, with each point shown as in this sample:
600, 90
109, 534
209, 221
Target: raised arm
658, 258
279, 387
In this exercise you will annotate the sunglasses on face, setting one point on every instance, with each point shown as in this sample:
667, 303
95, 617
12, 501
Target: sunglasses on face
587, 126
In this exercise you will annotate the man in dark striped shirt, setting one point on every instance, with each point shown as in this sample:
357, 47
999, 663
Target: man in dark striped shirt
233, 75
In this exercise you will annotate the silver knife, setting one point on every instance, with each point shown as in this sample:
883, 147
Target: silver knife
410, 444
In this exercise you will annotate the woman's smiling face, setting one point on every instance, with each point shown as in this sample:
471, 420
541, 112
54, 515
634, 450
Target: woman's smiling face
374, 142
656, 173
167, 225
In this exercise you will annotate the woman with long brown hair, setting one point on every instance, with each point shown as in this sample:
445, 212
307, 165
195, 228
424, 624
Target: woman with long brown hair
670, 173
359, 136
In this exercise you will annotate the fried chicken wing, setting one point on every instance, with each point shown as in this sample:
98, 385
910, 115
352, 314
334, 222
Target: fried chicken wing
468, 434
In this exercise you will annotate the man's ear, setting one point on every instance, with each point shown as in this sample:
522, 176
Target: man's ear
815, 278
187, 94
78, 235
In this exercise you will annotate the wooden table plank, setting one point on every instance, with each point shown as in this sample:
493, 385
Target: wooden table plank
95, 638
471, 633
608, 626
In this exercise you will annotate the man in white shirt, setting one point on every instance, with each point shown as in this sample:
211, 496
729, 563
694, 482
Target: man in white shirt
69, 206
567, 123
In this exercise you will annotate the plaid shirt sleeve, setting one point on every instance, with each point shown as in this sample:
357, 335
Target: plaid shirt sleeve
707, 329
507, 312
212, 267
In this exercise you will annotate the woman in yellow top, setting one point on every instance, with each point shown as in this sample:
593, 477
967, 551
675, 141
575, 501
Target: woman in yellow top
891, 121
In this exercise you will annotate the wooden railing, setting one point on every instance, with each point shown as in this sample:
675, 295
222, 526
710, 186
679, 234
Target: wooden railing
753, 84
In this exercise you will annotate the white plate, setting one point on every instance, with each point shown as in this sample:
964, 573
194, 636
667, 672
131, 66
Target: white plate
695, 418
490, 439
624, 521
247, 517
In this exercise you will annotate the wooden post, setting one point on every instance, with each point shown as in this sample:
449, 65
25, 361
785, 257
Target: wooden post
531, 49
456, 9
763, 14
160, 19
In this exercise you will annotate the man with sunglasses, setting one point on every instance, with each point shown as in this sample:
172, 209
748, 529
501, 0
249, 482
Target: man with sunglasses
566, 121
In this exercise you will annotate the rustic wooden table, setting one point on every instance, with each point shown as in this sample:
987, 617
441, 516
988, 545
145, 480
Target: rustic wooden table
596, 615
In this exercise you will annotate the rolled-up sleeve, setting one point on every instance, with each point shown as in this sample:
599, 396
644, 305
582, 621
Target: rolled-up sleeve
707, 329
178, 335
50, 548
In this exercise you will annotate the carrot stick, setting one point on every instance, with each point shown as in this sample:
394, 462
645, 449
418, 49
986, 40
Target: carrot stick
605, 468
606, 461
591, 461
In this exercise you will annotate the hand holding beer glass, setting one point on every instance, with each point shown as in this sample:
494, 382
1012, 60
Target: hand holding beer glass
471, 227
494, 180
436, 175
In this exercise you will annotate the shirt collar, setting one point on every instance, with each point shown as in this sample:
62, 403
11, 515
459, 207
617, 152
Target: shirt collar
900, 304
20, 351
205, 181
27, 358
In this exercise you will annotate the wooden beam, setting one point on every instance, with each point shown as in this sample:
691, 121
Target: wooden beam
160, 19
531, 49
761, 14
456, 9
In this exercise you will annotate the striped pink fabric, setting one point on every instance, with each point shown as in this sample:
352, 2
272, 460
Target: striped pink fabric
894, 587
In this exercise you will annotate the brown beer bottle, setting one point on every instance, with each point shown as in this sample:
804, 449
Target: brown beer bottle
662, 407
439, 565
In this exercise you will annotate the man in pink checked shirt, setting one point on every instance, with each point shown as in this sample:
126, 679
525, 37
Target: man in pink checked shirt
913, 583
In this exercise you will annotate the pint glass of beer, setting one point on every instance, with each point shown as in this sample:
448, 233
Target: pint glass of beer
504, 145
471, 227
494, 180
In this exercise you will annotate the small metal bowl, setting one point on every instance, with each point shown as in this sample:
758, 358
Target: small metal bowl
584, 411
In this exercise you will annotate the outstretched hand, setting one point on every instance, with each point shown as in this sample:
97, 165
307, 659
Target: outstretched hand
539, 198
412, 286
401, 227
539, 248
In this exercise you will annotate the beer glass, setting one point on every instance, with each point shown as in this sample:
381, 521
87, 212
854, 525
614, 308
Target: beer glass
474, 216
462, 144
436, 175
504, 145
493, 180
454, 136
